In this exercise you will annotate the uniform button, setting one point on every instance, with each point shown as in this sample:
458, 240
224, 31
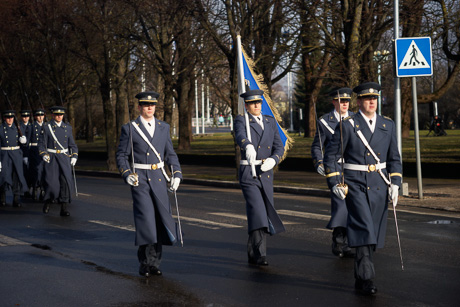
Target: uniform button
260, 176
368, 188
368, 154
378, 154
148, 154
268, 147
259, 146
149, 179
268, 176
159, 179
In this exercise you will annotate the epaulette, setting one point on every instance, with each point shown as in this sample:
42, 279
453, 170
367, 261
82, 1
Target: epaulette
386, 117
268, 115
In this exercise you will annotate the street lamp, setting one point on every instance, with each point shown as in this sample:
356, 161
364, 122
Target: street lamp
379, 57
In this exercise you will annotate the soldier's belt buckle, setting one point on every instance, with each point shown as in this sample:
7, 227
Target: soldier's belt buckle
371, 168
154, 166
58, 151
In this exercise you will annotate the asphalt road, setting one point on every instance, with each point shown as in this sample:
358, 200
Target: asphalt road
89, 258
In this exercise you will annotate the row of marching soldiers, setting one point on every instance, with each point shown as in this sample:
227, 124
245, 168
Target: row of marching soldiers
36, 158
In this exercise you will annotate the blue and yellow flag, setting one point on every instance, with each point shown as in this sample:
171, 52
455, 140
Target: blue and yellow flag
248, 78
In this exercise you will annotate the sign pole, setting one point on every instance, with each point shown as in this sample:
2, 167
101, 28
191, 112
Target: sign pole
417, 138
397, 96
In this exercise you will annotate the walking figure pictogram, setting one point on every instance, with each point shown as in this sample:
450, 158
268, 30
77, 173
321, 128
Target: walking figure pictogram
414, 57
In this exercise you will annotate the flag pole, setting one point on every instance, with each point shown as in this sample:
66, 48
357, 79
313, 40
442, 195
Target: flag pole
241, 90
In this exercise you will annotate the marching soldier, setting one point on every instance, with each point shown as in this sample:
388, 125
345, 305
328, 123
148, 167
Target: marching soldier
324, 133
11, 164
26, 129
36, 162
57, 148
264, 151
372, 173
147, 143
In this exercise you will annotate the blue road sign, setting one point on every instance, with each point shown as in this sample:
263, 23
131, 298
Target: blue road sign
413, 57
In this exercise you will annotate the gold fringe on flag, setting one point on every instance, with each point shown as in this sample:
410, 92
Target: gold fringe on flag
261, 84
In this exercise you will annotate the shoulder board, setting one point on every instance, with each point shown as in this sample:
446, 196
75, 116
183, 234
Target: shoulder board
268, 116
386, 117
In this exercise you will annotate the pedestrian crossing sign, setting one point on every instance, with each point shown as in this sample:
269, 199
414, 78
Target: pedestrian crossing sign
413, 57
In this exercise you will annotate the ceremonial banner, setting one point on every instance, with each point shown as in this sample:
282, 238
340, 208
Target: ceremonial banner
247, 78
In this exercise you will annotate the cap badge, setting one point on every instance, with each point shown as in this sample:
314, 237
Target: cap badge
371, 90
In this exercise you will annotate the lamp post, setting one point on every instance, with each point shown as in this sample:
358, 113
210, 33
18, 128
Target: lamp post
379, 57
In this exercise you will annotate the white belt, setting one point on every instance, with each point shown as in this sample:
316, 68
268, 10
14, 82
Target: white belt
33, 144
365, 168
149, 166
10, 148
256, 162
58, 151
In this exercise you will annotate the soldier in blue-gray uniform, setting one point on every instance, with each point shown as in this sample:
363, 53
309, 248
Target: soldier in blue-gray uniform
325, 130
372, 173
57, 148
147, 142
36, 162
11, 161
265, 150
26, 129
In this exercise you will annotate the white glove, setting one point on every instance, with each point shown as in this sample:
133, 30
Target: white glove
73, 161
339, 191
175, 181
25, 160
22, 140
251, 153
321, 170
46, 158
0, 166
133, 179
393, 192
268, 164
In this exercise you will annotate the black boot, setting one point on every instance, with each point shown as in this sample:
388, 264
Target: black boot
64, 211
42, 195
16, 202
46, 206
34, 193
2, 198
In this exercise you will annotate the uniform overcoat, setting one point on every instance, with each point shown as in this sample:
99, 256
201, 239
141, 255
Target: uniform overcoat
26, 130
59, 162
258, 192
150, 199
11, 159
339, 212
36, 163
367, 199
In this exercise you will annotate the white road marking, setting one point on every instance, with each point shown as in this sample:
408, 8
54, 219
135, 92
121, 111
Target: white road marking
207, 222
322, 229
110, 224
8, 241
437, 213
190, 220
243, 217
306, 215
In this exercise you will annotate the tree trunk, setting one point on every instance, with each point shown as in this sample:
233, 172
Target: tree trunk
110, 129
89, 117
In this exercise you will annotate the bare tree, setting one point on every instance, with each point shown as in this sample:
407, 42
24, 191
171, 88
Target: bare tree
414, 24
